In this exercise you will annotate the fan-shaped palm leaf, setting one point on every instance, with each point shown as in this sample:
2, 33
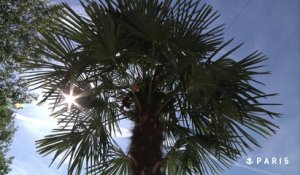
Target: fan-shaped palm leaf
158, 64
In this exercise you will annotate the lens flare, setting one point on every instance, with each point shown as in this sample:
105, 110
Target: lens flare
19, 105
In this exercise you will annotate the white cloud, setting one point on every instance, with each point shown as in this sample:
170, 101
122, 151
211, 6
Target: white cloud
123, 133
36, 126
33, 166
38, 123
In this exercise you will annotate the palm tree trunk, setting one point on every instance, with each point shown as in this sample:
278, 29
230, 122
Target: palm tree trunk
145, 149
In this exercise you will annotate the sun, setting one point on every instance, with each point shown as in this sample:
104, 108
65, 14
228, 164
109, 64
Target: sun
70, 100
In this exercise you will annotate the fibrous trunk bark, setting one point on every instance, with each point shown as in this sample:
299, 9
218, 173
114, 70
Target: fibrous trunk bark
146, 142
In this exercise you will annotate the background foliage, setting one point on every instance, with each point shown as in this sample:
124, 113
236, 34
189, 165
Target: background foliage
20, 21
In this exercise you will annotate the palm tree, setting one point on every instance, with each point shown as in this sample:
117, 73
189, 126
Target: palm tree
161, 65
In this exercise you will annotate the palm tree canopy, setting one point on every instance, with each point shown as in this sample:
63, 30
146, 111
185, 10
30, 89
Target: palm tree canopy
124, 54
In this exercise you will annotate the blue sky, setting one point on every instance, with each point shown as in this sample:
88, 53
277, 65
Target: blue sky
271, 26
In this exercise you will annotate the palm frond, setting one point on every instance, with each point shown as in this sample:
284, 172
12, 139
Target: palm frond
118, 163
83, 145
